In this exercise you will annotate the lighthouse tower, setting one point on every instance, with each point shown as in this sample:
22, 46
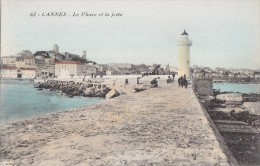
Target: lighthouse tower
184, 55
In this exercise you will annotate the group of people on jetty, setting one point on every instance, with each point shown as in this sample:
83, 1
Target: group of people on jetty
182, 81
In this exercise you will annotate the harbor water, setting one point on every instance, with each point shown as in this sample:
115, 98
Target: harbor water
20, 100
241, 88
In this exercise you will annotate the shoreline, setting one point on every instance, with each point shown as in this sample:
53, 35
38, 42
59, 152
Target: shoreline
46, 114
70, 110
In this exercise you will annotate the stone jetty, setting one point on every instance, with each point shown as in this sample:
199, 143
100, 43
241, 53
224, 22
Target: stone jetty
159, 126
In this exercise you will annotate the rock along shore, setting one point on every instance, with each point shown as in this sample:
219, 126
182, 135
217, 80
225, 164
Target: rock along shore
96, 87
159, 126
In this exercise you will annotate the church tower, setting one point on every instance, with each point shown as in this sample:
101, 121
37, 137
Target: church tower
56, 48
184, 55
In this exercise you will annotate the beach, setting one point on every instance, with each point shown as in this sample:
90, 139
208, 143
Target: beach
159, 126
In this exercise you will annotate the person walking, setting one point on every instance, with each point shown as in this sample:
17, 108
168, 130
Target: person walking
185, 83
179, 81
173, 75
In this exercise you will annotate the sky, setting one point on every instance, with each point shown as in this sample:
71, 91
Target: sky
225, 33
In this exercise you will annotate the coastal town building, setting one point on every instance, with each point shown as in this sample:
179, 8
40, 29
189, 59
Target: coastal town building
8, 60
45, 71
14, 72
235, 75
242, 71
219, 70
26, 62
101, 69
42, 64
111, 71
45, 58
69, 69
9, 72
91, 69
49, 61
184, 55
232, 75
28, 73
217, 75
39, 60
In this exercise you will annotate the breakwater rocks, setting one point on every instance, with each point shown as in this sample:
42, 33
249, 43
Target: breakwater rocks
94, 88
232, 106
71, 88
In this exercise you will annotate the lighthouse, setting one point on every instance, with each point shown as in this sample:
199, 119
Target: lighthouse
184, 55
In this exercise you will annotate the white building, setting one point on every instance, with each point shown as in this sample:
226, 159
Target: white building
26, 62
69, 68
9, 72
184, 55
242, 71
8, 60
14, 72
110, 71
45, 71
26, 72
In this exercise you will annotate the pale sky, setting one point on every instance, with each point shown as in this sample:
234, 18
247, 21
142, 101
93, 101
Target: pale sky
224, 33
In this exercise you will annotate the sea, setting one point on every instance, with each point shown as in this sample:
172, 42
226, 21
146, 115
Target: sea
20, 100
240, 88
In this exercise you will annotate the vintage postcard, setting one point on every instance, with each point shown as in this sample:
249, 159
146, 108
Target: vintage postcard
136, 83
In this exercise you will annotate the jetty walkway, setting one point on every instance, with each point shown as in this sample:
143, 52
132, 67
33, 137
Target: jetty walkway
159, 126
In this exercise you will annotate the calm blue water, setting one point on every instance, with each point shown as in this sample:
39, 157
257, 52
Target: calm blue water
20, 100
242, 88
